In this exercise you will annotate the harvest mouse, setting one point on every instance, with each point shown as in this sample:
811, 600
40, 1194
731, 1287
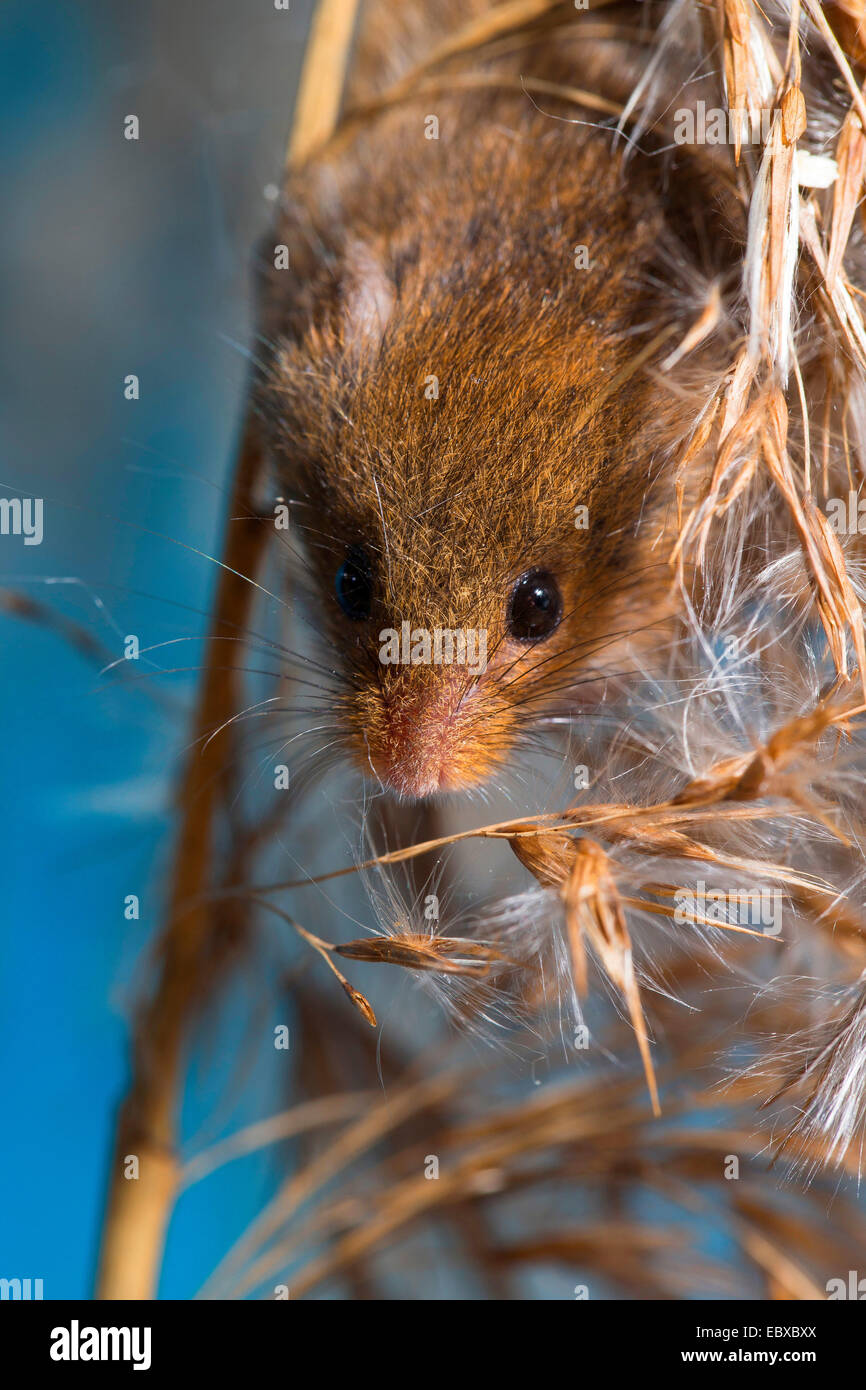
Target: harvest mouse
478, 472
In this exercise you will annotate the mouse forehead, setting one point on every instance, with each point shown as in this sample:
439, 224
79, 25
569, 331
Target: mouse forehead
435, 383
492, 468
447, 541
442, 552
454, 496
455, 436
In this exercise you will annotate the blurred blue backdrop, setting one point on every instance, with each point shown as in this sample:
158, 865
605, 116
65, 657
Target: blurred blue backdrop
118, 257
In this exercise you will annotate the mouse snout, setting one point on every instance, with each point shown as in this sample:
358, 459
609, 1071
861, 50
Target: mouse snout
424, 738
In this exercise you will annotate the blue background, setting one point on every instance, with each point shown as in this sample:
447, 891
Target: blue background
117, 257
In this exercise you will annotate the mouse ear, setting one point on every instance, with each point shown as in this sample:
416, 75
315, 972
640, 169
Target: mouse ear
368, 300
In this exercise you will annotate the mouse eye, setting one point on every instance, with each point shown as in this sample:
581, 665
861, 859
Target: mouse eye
535, 606
354, 585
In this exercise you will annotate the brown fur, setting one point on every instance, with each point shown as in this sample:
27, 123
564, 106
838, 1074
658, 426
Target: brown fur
455, 258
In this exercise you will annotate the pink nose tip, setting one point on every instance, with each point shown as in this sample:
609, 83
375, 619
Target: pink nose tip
411, 776
420, 749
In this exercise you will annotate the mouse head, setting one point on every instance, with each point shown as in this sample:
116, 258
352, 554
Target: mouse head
468, 460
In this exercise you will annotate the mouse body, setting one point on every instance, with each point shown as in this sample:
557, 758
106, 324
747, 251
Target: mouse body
478, 469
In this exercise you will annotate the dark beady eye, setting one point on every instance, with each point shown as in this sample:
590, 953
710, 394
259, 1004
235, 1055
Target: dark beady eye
354, 585
535, 606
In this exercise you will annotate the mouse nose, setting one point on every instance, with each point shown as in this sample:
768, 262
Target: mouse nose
422, 745
412, 776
